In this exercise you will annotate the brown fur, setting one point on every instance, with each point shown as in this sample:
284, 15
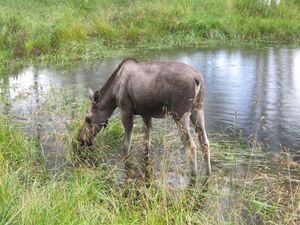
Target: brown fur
150, 89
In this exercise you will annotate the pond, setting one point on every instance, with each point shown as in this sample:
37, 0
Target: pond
256, 92
251, 94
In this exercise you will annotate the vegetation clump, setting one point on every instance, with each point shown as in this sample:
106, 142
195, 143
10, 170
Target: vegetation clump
90, 188
63, 31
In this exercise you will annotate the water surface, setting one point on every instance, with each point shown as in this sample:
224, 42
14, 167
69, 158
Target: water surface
243, 86
252, 94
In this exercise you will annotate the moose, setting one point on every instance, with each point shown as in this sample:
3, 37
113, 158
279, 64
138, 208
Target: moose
151, 90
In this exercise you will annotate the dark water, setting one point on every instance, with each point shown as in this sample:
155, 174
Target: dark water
242, 87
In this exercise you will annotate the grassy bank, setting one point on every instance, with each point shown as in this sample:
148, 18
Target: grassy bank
84, 194
247, 185
63, 31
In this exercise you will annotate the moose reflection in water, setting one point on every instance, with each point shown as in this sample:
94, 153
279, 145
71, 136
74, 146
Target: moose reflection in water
151, 89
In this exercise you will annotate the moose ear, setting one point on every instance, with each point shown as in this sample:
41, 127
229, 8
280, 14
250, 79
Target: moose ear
91, 94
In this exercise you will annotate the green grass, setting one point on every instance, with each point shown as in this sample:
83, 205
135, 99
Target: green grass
63, 31
247, 185
89, 195
14, 146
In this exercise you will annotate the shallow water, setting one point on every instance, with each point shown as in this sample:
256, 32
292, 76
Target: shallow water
250, 94
243, 86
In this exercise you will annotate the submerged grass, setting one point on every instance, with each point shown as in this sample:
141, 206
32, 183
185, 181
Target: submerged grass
63, 31
244, 189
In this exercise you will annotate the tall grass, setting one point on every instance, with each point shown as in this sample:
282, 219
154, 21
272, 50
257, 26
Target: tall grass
62, 31
95, 193
14, 146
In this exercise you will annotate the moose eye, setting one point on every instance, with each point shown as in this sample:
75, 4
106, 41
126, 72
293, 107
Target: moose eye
105, 124
88, 119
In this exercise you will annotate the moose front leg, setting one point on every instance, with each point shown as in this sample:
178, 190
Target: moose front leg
127, 121
147, 145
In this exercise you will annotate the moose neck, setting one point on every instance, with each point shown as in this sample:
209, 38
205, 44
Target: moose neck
106, 94
107, 100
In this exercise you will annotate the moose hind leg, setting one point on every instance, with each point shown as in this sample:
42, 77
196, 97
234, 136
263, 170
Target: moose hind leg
197, 118
188, 143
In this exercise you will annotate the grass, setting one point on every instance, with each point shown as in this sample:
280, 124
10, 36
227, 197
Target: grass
247, 185
61, 32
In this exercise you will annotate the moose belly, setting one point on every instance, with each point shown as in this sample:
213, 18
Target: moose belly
151, 109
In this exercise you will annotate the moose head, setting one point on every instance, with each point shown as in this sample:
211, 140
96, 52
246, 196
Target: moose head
95, 120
